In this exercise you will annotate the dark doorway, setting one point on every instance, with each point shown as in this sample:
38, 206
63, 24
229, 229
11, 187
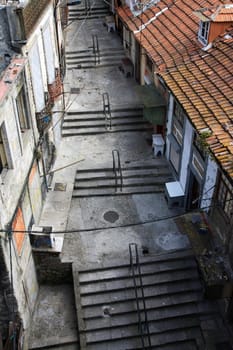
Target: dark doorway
194, 192
137, 62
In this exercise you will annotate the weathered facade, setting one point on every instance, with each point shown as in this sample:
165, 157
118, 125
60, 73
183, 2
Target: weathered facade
30, 81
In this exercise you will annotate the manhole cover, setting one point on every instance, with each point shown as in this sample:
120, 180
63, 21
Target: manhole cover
111, 216
59, 186
75, 90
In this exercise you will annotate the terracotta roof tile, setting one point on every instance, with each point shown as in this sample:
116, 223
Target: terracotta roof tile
219, 13
171, 37
206, 84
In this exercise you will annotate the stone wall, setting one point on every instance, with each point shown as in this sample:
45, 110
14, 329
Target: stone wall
6, 297
50, 269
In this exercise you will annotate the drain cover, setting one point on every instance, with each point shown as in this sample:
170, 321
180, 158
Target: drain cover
59, 186
75, 90
111, 216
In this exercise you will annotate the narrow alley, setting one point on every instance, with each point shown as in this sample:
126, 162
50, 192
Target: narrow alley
110, 204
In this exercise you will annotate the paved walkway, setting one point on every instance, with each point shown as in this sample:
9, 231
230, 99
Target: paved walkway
64, 213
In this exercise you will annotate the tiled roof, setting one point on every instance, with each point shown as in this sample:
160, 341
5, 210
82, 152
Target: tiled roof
221, 13
204, 87
167, 31
202, 81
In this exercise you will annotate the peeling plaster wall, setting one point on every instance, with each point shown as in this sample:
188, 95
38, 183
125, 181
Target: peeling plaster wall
11, 189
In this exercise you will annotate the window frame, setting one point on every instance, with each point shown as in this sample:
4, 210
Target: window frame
3, 156
203, 33
22, 110
5, 150
178, 121
225, 196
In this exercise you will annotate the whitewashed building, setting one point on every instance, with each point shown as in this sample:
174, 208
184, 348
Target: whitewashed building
30, 80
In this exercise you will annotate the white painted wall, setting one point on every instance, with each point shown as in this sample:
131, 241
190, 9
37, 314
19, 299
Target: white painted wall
210, 181
22, 151
49, 53
169, 123
187, 145
37, 77
43, 56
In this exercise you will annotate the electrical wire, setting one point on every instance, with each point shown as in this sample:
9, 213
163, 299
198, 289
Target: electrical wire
93, 229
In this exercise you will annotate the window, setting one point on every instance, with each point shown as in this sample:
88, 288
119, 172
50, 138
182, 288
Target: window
179, 113
178, 123
200, 146
175, 158
203, 32
5, 157
22, 109
225, 195
149, 63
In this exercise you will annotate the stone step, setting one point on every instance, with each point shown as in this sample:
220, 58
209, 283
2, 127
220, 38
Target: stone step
179, 345
103, 130
94, 11
87, 52
90, 55
151, 264
106, 65
83, 16
188, 344
126, 182
111, 191
101, 117
91, 58
154, 326
134, 172
122, 339
159, 164
127, 174
96, 8
149, 280
127, 307
68, 124
94, 66
121, 295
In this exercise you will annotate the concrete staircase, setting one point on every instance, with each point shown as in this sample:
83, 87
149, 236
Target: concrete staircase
93, 122
93, 10
138, 179
107, 315
86, 59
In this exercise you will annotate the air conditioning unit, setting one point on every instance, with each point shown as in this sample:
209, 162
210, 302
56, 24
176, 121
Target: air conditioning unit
42, 237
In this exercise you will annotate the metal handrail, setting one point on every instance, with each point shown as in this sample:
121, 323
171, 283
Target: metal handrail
117, 168
107, 111
87, 6
96, 50
142, 325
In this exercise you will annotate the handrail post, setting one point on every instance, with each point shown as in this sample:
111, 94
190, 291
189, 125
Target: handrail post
107, 111
96, 50
117, 170
142, 325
